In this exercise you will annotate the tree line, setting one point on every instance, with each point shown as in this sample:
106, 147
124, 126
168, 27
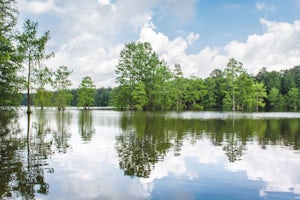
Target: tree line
144, 81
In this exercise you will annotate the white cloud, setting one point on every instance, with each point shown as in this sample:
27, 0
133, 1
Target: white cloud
263, 6
88, 38
280, 174
183, 9
260, 5
38, 7
275, 49
192, 37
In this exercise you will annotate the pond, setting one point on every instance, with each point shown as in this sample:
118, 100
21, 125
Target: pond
106, 154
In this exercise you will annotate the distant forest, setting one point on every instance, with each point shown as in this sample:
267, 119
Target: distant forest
144, 81
277, 92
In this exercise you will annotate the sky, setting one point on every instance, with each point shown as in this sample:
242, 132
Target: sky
200, 35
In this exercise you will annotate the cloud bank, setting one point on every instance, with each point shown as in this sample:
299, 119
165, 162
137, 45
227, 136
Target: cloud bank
88, 37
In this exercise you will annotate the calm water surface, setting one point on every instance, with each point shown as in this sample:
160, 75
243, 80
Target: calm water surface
102, 154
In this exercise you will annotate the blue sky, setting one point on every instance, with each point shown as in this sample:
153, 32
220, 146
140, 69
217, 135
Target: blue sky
201, 35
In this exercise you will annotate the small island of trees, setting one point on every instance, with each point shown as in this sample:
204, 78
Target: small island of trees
144, 81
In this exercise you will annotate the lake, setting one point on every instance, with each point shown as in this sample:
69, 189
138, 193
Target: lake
106, 154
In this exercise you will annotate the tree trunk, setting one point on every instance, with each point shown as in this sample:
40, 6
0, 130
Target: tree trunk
28, 87
233, 102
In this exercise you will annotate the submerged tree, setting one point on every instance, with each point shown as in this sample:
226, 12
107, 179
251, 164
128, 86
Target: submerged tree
86, 92
62, 83
43, 78
32, 49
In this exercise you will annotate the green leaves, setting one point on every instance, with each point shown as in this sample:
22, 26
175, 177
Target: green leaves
139, 65
32, 51
62, 83
86, 93
10, 83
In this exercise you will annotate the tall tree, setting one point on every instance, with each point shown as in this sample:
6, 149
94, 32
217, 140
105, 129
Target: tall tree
179, 86
244, 91
10, 61
233, 70
32, 49
162, 90
86, 92
137, 63
62, 83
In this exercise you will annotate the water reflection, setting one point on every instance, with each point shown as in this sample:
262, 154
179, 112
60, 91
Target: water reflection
62, 132
27, 141
136, 155
85, 123
146, 137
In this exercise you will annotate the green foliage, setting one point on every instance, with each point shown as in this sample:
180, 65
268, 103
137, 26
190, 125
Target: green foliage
244, 95
233, 70
43, 77
10, 61
42, 98
195, 92
179, 87
86, 92
139, 96
62, 99
103, 96
32, 50
259, 93
61, 83
276, 99
138, 63
294, 98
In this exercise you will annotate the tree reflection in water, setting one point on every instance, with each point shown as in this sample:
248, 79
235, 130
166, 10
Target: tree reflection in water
147, 137
86, 128
62, 133
24, 152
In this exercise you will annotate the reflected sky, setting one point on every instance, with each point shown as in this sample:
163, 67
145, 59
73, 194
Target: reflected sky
178, 150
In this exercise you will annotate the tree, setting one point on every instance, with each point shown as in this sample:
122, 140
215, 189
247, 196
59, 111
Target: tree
293, 98
244, 96
10, 61
287, 81
259, 93
179, 86
32, 49
275, 98
195, 93
86, 92
162, 89
138, 63
232, 72
139, 96
103, 96
43, 78
62, 83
